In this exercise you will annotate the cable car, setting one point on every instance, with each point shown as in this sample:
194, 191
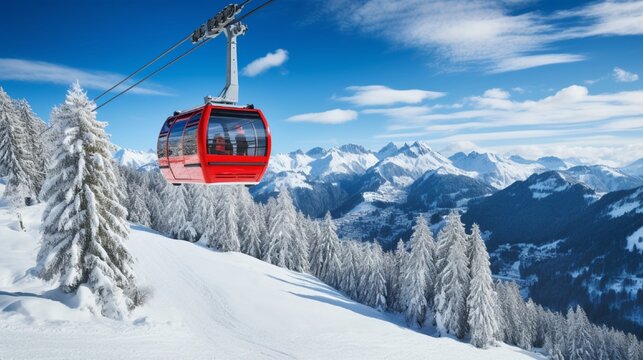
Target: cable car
215, 144
219, 142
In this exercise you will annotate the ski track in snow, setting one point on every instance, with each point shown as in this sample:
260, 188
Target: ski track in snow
203, 305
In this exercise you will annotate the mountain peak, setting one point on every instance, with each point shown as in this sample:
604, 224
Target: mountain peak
388, 150
316, 152
354, 149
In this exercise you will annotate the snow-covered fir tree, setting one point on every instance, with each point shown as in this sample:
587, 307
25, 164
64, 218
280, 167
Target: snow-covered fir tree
301, 248
16, 159
372, 278
418, 275
137, 198
513, 309
34, 129
351, 260
84, 228
481, 302
227, 222
324, 253
579, 339
394, 280
283, 234
185, 228
453, 278
250, 222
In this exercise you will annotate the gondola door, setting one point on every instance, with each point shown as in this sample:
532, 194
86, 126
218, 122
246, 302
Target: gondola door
175, 148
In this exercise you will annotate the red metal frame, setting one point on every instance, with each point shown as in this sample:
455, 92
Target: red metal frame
204, 168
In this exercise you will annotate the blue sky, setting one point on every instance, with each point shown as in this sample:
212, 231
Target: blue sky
512, 76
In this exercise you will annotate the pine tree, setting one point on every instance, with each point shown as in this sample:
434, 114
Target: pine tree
250, 226
351, 259
84, 227
453, 278
396, 277
15, 157
324, 253
373, 278
137, 198
300, 249
226, 223
513, 314
34, 127
202, 212
483, 319
579, 335
418, 275
185, 228
282, 234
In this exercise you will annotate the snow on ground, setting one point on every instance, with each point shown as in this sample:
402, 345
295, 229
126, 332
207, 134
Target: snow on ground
626, 205
635, 241
547, 187
203, 305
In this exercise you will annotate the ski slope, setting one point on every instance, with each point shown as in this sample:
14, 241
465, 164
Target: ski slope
202, 305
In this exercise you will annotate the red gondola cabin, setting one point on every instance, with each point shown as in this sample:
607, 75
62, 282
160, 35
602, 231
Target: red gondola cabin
215, 144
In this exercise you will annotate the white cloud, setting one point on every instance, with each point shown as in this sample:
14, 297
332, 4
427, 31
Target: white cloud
495, 34
378, 95
607, 18
335, 116
266, 63
496, 93
44, 72
624, 76
531, 61
571, 116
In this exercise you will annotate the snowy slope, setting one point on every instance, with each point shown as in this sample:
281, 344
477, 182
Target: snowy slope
137, 159
203, 305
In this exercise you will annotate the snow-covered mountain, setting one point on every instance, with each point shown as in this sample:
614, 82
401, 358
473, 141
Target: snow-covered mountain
634, 169
555, 233
495, 170
604, 179
368, 189
202, 304
324, 165
137, 159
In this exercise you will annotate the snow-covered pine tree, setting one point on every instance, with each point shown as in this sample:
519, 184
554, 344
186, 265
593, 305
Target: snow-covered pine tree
283, 236
512, 312
250, 219
481, 302
15, 157
579, 337
201, 209
34, 128
418, 275
351, 259
555, 336
530, 323
373, 278
324, 253
155, 204
137, 197
601, 351
395, 278
226, 222
84, 227
453, 278
186, 230
300, 251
